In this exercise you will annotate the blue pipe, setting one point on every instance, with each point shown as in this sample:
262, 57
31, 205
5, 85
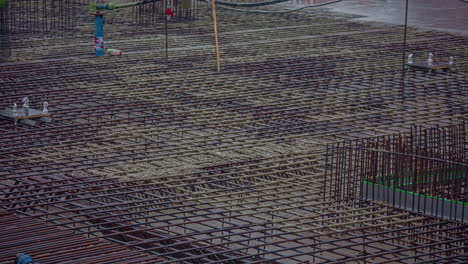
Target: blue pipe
99, 35
104, 7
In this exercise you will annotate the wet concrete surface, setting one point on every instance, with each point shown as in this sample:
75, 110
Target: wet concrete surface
444, 15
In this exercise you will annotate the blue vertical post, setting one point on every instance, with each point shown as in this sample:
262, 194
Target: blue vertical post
99, 34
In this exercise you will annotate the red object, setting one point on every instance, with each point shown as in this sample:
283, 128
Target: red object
169, 12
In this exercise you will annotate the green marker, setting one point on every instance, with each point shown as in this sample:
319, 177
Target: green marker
114, 52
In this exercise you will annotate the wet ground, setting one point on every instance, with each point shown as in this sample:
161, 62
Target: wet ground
445, 15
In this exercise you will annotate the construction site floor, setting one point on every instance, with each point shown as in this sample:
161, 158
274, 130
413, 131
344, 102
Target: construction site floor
185, 164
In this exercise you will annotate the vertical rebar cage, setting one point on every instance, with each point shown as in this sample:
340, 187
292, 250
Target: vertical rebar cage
423, 171
38, 15
154, 12
5, 41
63, 15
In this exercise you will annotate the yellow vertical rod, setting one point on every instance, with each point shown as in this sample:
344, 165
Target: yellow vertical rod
215, 26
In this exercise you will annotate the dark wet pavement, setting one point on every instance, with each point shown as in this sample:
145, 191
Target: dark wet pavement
446, 15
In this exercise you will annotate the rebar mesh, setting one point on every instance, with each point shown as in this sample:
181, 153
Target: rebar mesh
425, 170
191, 166
20, 16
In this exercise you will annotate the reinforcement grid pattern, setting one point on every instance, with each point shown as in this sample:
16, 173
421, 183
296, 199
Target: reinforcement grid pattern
203, 167
63, 16
420, 161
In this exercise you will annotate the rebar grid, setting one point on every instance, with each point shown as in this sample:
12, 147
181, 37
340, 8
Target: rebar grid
39, 16
424, 170
403, 160
21, 234
262, 221
198, 167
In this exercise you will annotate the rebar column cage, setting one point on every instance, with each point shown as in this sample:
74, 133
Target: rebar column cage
423, 171
20, 16
154, 12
